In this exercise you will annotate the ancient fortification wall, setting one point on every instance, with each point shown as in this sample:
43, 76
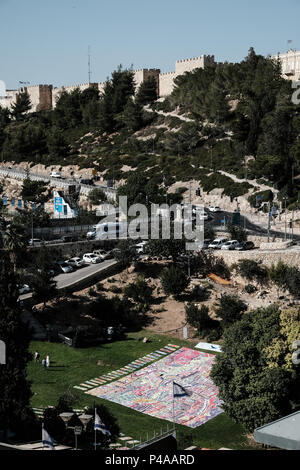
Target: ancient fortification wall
44, 97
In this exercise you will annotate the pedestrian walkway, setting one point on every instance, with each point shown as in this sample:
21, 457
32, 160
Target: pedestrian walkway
128, 369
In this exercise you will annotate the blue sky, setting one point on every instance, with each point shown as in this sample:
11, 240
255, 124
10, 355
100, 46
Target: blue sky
47, 41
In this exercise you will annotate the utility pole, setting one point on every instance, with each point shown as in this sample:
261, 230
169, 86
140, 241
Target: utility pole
269, 220
285, 219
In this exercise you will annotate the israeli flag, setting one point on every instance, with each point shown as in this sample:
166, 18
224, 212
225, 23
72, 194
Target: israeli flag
179, 391
47, 439
99, 426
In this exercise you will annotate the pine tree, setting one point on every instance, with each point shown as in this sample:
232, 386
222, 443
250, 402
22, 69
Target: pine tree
147, 92
21, 106
15, 389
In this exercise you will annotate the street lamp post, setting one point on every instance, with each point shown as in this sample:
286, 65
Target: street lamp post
84, 418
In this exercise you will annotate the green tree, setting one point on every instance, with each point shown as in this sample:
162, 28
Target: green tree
252, 271
96, 196
41, 277
34, 191
199, 318
21, 106
15, 389
116, 93
131, 116
165, 247
174, 281
140, 292
126, 253
147, 92
253, 393
236, 232
230, 310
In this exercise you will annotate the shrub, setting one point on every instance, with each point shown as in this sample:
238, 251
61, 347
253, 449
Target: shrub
174, 281
250, 288
116, 290
200, 319
230, 309
252, 270
140, 293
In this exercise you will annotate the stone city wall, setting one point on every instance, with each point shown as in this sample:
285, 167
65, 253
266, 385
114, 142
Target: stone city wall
44, 97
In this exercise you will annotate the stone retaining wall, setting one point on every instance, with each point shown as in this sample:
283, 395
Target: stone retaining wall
289, 257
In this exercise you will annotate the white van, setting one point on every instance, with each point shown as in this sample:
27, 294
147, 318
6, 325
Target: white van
217, 243
110, 230
55, 174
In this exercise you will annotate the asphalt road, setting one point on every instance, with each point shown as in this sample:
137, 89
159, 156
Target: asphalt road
67, 279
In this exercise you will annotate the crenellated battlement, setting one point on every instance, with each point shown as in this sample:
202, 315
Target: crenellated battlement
44, 97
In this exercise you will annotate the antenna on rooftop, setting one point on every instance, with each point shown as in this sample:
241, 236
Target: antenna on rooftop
89, 63
289, 42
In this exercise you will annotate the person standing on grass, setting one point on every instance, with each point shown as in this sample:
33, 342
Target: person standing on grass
44, 363
37, 356
48, 361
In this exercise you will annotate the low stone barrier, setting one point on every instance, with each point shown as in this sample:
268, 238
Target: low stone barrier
275, 245
289, 257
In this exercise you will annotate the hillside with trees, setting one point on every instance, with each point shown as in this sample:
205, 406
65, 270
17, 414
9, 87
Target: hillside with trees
238, 118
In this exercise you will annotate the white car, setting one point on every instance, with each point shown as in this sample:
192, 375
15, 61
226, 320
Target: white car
35, 241
75, 262
55, 174
23, 289
64, 267
230, 245
214, 209
102, 254
139, 247
202, 215
91, 258
217, 243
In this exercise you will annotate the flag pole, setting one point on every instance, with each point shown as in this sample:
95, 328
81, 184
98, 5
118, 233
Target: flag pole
173, 414
95, 430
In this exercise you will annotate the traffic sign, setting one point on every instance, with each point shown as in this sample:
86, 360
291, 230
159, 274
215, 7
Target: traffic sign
77, 430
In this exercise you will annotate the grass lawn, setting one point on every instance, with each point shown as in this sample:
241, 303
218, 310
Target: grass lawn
71, 366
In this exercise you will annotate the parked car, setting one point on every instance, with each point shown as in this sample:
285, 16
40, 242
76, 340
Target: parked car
69, 238
102, 254
62, 266
243, 246
91, 258
34, 242
115, 252
23, 289
89, 182
214, 209
230, 245
139, 247
55, 174
75, 262
217, 243
91, 234
206, 244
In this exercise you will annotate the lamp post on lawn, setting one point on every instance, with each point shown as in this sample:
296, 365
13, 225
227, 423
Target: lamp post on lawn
84, 418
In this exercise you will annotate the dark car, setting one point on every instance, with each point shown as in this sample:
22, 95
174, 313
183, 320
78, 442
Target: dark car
89, 182
69, 238
243, 246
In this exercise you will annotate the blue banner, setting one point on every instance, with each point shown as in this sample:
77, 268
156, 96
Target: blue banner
58, 204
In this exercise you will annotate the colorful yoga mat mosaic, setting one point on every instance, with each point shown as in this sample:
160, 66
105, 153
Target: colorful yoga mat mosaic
150, 390
135, 365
